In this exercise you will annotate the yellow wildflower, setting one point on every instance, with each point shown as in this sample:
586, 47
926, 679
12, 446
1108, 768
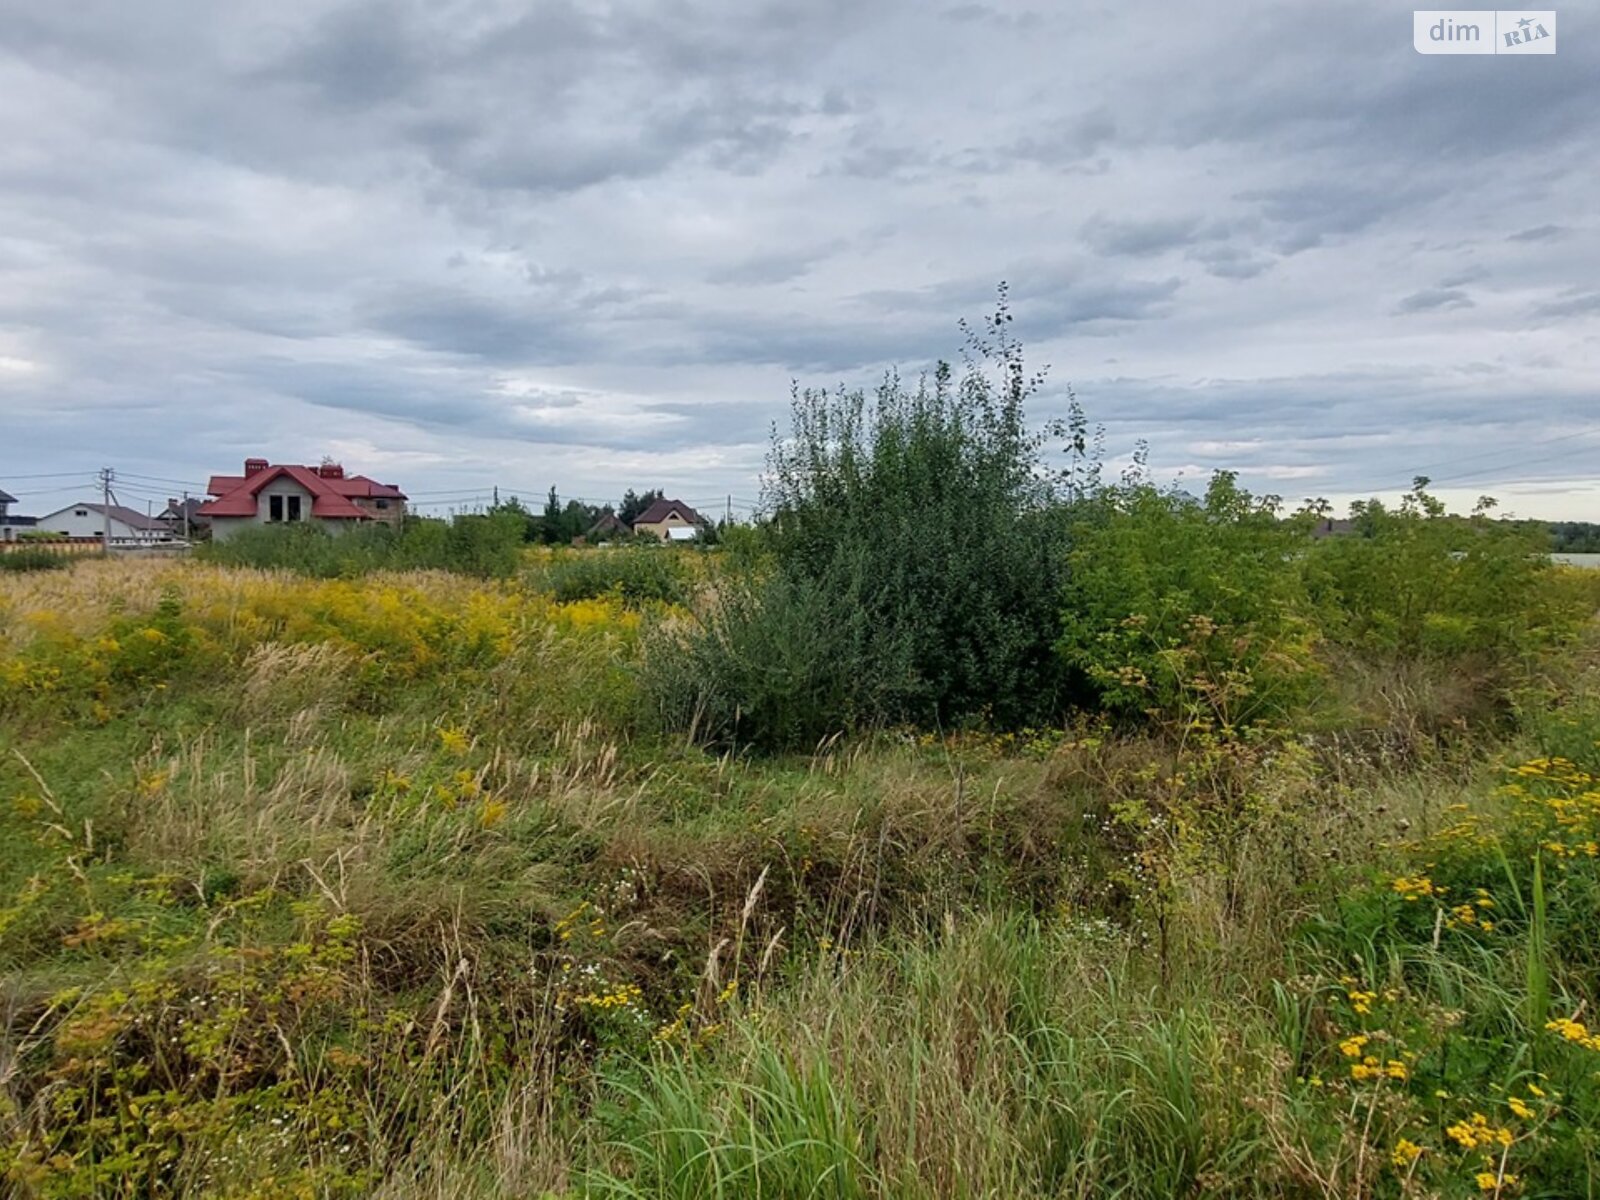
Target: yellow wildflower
1405, 1153
1351, 1047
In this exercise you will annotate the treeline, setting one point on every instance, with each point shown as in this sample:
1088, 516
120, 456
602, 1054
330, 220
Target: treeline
560, 524
1575, 537
487, 544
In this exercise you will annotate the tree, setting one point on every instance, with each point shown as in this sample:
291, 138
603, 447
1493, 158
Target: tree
560, 523
633, 504
514, 509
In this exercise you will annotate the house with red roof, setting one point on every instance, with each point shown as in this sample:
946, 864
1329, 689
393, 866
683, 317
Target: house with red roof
277, 493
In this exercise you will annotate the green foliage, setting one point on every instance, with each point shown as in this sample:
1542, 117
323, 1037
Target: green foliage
1192, 610
1575, 537
638, 575
917, 562
560, 525
1465, 980
633, 504
482, 545
777, 665
34, 560
1416, 581
970, 1065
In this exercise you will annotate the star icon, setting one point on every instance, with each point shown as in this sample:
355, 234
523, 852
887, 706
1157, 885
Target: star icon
1525, 22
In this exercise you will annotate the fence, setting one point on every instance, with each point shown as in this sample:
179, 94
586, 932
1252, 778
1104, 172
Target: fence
60, 545
93, 545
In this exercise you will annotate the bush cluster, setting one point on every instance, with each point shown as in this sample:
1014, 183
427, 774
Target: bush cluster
33, 560
487, 546
928, 563
917, 550
638, 575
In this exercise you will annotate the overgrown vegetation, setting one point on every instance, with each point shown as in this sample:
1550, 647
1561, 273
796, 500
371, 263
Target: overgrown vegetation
918, 552
488, 546
1247, 865
32, 560
641, 574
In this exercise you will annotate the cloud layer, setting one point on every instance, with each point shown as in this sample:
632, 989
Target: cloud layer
482, 243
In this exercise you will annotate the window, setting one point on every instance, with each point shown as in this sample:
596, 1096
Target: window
294, 508
381, 503
274, 508
80, 512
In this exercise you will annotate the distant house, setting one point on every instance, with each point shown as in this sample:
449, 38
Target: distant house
89, 520
664, 517
609, 525
183, 516
11, 523
273, 494
1327, 527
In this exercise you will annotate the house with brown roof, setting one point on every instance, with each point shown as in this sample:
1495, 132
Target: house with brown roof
282, 494
609, 525
669, 520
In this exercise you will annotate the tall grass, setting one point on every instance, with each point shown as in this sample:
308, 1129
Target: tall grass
1005, 1058
488, 546
34, 560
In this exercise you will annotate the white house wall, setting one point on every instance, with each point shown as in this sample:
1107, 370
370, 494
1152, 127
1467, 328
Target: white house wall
79, 521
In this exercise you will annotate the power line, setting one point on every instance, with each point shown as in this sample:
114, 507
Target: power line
160, 479
70, 487
1497, 468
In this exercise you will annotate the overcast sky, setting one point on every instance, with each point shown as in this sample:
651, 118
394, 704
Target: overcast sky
459, 243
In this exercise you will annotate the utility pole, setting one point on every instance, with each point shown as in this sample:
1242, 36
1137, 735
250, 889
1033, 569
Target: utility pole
186, 516
106, 476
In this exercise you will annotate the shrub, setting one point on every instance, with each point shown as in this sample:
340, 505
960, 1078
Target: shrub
918, 553
1416, 581
636, 575
1194, 609
777, 665
33, 560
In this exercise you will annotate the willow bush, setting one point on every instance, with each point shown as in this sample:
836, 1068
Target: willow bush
918, 553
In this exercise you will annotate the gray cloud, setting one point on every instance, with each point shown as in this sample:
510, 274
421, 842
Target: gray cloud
1539, 233
1439, 299
1138, 239
1572, 303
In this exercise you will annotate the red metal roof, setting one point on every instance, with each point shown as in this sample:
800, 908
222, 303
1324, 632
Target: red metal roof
331, 495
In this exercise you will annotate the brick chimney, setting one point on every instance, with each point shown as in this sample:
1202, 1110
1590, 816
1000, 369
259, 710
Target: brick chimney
254, 466
331, 470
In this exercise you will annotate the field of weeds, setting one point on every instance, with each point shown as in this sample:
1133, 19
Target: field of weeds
398, 886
